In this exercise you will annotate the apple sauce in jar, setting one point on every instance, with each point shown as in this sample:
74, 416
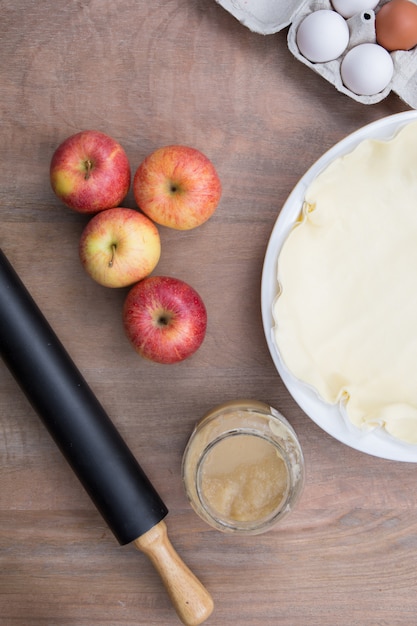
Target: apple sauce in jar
243, 467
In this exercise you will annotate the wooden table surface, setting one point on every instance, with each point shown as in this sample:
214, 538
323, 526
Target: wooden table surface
151, 74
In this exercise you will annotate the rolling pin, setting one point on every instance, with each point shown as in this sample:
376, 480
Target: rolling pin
90, 442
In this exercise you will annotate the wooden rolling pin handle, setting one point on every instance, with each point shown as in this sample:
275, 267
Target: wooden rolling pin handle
191, 600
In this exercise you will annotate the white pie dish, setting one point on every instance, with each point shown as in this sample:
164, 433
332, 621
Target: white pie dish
328, 417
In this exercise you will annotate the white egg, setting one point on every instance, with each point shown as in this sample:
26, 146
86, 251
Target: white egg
322, 36
367, 69
349, 8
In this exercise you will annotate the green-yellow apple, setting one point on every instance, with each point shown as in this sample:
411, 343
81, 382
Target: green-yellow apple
165, 319
90, 172
177, 186
119, 246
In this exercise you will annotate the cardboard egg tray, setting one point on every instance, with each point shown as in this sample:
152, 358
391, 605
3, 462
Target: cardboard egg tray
267, 17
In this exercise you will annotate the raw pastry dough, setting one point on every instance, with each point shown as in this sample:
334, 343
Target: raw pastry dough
346, 315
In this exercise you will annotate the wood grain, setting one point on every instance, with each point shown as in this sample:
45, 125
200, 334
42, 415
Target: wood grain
150, 74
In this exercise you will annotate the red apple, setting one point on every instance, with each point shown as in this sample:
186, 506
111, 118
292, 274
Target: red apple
177, 186
165, 319
90, 172
119, 246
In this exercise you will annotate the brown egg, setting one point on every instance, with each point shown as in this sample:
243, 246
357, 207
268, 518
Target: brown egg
396, 25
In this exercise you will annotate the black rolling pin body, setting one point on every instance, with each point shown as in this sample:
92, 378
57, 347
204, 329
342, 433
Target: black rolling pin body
72, 414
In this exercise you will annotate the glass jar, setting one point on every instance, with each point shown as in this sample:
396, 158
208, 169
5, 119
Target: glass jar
243, 467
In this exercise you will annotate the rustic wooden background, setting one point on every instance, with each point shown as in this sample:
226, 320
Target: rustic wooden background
150, 74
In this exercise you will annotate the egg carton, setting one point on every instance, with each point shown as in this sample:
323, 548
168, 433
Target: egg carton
267, 17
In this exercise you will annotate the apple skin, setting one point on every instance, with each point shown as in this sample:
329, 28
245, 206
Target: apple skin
90, 172
119, 247
177, 186
165, 319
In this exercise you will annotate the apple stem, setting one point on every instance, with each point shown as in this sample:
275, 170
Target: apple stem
88, 167
113, 250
